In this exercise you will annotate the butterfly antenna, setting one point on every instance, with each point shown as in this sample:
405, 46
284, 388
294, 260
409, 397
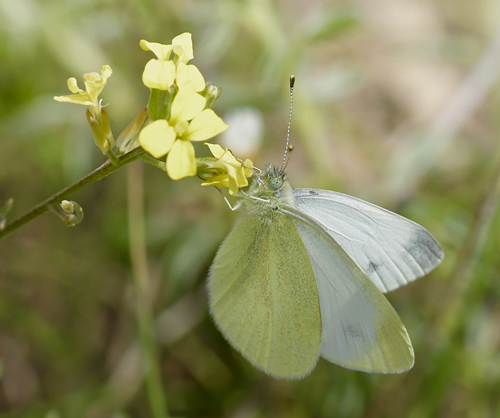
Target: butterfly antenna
292, 83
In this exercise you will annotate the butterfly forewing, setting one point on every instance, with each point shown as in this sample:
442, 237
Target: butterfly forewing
360, 329
390, 249
263, 295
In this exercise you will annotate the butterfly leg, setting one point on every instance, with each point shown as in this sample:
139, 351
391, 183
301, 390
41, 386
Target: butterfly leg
253, 197
233, 208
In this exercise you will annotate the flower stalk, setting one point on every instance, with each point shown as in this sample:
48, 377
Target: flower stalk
104, 170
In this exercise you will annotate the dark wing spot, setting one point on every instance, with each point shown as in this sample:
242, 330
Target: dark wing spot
424, 251
372, 267
313, 193
353, 330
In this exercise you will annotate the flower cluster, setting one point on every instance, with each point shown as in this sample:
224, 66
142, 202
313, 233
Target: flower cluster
188, 120
178, 114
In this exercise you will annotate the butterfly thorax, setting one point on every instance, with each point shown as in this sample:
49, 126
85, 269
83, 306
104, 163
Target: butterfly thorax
268, 193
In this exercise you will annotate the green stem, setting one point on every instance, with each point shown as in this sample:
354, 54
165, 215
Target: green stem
104, 170
143, 292
112, 157
154, 162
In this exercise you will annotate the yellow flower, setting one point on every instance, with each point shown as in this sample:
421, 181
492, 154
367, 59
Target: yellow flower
96, 114
94, 83
188, 121
237, 172
160, 73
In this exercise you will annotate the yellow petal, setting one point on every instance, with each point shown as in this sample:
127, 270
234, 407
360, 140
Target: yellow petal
158, 74
160, 50
182, 75
180, 160
233, 188
183, 47
196, 77
157, 138
189, 74
216, 150
106, 72
186, 105
233, 181
241, 178
237, 179
92, 77
95, 82
221, 180
248, 166
81, 99
229, 159
73, 85
204, 126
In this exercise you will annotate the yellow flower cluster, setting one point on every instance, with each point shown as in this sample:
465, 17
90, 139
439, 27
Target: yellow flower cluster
234, 173
178, 115
188, 121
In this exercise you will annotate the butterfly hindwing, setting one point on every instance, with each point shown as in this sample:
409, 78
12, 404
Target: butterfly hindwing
360, 329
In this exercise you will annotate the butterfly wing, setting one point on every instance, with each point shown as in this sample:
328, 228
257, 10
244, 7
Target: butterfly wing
360, 329
390, 249
263, 295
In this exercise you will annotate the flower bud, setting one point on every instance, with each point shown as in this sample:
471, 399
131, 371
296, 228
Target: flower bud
212, 94
106, 128
129, 138
100, 138
72, 212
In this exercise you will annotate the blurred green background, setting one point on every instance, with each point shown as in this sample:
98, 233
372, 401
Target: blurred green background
396, 102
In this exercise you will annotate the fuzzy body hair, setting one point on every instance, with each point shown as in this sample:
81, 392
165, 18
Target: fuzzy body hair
262, 199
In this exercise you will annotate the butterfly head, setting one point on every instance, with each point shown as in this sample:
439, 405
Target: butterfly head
268, 192
269, 182
275, 176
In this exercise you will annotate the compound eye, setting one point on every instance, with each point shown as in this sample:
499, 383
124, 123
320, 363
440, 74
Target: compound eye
275, 183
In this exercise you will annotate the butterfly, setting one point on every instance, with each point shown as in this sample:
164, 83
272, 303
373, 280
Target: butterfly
302, 276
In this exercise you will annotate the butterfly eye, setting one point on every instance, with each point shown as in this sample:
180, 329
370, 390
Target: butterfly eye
275, 183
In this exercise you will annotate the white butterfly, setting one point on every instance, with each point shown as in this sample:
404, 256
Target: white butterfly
302, 273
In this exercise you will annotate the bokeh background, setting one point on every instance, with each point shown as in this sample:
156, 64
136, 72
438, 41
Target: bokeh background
396, 102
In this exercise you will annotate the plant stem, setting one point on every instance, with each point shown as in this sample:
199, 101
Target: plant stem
107, 168
143, 293
112, 157
154, 162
